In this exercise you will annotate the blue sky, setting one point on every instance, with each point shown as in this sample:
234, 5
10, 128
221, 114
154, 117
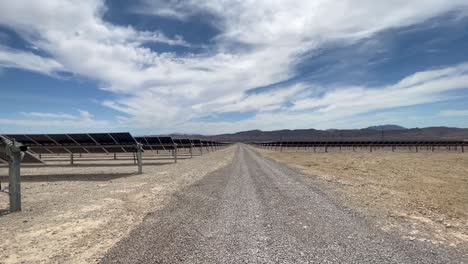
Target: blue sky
215, 66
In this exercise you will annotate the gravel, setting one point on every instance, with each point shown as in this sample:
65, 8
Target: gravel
74, 214
257, 211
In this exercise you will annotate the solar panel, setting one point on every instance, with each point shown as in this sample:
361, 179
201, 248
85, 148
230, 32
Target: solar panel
366, 143
27, 157
42, 139
124, 138
21, 138
82, 139
62, 139
140, 140
78, 143
185, 141
152, 140
166, 140
103, 139
196, 143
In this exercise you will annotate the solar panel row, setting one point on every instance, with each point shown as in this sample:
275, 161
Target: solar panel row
156, 142
80, 143
77, 143
370, 144
364, 143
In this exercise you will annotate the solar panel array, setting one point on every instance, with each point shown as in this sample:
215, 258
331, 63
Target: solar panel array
27, 157
156, 142
361, 143
77, 143
81, 143
183, 143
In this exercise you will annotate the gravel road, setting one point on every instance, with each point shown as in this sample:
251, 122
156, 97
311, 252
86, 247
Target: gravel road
257, 211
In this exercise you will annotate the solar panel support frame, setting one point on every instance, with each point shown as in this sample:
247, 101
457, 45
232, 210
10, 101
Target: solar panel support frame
13, 149
140, 157
175, 152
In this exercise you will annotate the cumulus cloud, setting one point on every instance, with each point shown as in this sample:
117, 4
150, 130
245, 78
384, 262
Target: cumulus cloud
155, 89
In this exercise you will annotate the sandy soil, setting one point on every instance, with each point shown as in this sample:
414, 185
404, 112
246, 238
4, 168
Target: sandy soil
75, 214
422, 196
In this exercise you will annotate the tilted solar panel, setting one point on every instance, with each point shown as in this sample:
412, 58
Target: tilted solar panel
77, 143
166, 140
103, 139
124, 138
196, 142
82, 139
42, 140
22, 138
185, 141
62, 139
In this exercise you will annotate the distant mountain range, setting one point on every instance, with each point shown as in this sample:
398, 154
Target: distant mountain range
386, 127
384, 132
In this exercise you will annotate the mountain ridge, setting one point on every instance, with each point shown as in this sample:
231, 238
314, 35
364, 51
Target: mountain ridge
385, 132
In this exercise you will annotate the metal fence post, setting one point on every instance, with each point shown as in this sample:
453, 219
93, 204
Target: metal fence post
15, 181
140, 158
175, 153
13, 150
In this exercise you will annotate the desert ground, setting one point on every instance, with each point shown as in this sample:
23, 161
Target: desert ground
422, 196
73, 214
241, 204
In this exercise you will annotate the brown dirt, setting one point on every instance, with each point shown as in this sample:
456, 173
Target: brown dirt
423, 196
75, 214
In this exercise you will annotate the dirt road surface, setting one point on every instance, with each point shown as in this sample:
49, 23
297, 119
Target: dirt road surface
257, 211
74, 214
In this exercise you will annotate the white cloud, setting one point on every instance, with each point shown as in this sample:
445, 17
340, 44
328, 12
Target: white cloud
83, 120
167, 90
10, 58
257, 102
454, 113
49, 115
419, 88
